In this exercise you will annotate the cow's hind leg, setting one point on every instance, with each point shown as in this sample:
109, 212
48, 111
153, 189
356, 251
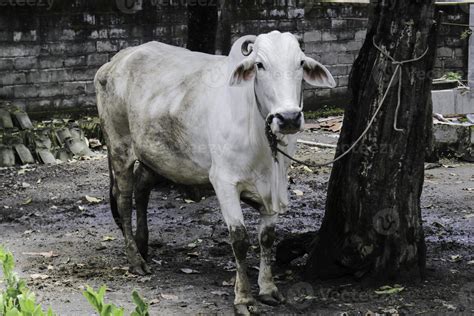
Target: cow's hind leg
113, 200
145, 179
122, 163
229, 200
269, 293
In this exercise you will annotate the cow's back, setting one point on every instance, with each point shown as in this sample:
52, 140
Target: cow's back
158, 95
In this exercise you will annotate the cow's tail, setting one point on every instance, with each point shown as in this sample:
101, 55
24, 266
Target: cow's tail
113, 200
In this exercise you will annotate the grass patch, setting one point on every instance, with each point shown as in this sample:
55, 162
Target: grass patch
325, 111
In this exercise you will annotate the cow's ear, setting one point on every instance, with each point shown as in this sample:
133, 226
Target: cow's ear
316, 74
244, 72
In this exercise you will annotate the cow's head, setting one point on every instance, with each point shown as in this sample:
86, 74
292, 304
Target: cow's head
275, 64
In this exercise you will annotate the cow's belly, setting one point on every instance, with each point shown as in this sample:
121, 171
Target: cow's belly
173, 158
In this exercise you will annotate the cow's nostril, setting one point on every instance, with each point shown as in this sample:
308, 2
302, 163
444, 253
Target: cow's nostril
280, 117
298, 116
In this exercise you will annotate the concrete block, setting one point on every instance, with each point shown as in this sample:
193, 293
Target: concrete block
360, 35
464, 103
6, 92
25, 91
323, 93
97, 59
342, 81
75, 61
338, 70
444, 52
117, 33
48, 75
6, 63
18, 50
84, 74
24, 36
312, 36
26, 62
328, 59
50, 90
338, 23
47, 62
67, 35
345, 35
11, 78
106, 46
329, 36
345, 58
74, 88
443, 101
453, 140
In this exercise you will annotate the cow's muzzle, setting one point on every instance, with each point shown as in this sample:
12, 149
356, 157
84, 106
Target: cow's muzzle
289, 122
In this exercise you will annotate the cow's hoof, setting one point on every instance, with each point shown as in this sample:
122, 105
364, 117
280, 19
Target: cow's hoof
247, 310
273, 299
140, 268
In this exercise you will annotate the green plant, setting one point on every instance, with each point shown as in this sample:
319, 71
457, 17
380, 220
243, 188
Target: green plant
452, 76
96, 299
466, 33
16, 299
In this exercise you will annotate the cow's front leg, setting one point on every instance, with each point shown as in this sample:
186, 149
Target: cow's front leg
269, 293
229, 200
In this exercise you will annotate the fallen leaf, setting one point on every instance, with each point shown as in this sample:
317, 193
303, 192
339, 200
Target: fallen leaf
108, 238
386, 289
39, 276
49, 254
189, 271
469, 189
25, 185
307, 169
455, 258
170, 297
188, 201
450, 307
154, 301
470, 262
27, 201
193, 254
192, 245
92, 199
298, 192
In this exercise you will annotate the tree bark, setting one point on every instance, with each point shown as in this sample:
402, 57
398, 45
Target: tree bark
372, 224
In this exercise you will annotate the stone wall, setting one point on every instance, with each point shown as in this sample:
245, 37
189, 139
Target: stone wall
48, 57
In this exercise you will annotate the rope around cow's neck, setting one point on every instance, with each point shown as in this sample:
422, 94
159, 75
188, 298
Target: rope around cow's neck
273, 140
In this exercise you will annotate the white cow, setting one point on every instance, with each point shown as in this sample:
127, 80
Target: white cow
195, 118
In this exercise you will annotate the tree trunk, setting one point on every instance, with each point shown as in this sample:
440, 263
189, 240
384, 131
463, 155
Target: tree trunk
372, 225
202, 26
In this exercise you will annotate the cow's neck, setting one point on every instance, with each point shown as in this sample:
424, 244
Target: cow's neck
246, 115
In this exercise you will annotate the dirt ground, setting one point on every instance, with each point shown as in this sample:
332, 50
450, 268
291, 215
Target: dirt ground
43, 209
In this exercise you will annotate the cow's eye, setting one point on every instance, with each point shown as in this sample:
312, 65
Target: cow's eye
260, 66
302, 63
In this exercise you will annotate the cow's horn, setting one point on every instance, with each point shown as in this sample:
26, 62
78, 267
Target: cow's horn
247, 47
